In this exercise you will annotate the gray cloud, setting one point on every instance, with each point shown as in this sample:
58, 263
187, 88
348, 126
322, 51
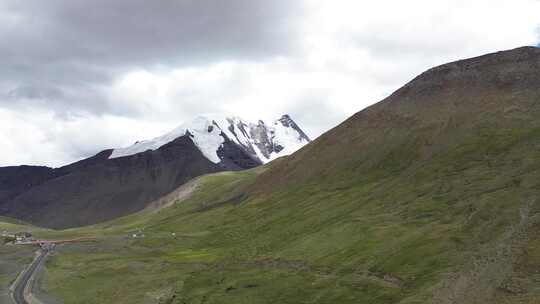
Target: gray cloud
31, 93
63, 50
64, 101
135, 31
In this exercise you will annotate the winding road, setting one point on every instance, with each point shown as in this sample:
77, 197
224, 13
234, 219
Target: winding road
25, 279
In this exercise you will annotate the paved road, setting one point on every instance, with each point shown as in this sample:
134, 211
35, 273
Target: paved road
18, 294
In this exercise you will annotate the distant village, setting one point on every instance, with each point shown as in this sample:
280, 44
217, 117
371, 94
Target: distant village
26, 238
17, 238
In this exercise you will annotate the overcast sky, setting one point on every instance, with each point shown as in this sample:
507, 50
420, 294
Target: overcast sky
79, 76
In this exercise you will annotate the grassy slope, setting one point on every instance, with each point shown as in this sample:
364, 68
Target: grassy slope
429, 196
397, 239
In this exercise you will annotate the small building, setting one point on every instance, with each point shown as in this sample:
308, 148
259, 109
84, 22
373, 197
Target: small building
23, 237
8, 234
137, 234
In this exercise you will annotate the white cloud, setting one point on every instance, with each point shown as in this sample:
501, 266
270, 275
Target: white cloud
37, 137
351, 54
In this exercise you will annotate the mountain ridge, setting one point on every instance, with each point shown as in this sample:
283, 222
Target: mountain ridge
102, 187
487, 88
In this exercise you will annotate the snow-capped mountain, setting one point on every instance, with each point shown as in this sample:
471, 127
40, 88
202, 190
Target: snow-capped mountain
117, 182
263, 141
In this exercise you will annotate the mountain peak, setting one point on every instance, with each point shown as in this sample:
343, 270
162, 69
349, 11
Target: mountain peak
288, 122
262, 141
503, 61
516, 69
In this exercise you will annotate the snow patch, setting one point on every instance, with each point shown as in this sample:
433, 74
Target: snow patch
153, 144
288, 138
207, 139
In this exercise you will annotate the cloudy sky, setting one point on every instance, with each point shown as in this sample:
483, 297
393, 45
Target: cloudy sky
80, 76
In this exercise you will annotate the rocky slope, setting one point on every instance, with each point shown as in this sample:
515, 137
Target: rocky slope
122, 181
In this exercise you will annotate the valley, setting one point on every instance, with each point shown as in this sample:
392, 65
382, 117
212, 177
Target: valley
429, 196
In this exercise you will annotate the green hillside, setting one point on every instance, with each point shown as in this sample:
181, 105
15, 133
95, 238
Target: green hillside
430, 196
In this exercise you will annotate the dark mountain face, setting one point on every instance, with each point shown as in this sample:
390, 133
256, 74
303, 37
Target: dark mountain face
99, 189
16, 180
